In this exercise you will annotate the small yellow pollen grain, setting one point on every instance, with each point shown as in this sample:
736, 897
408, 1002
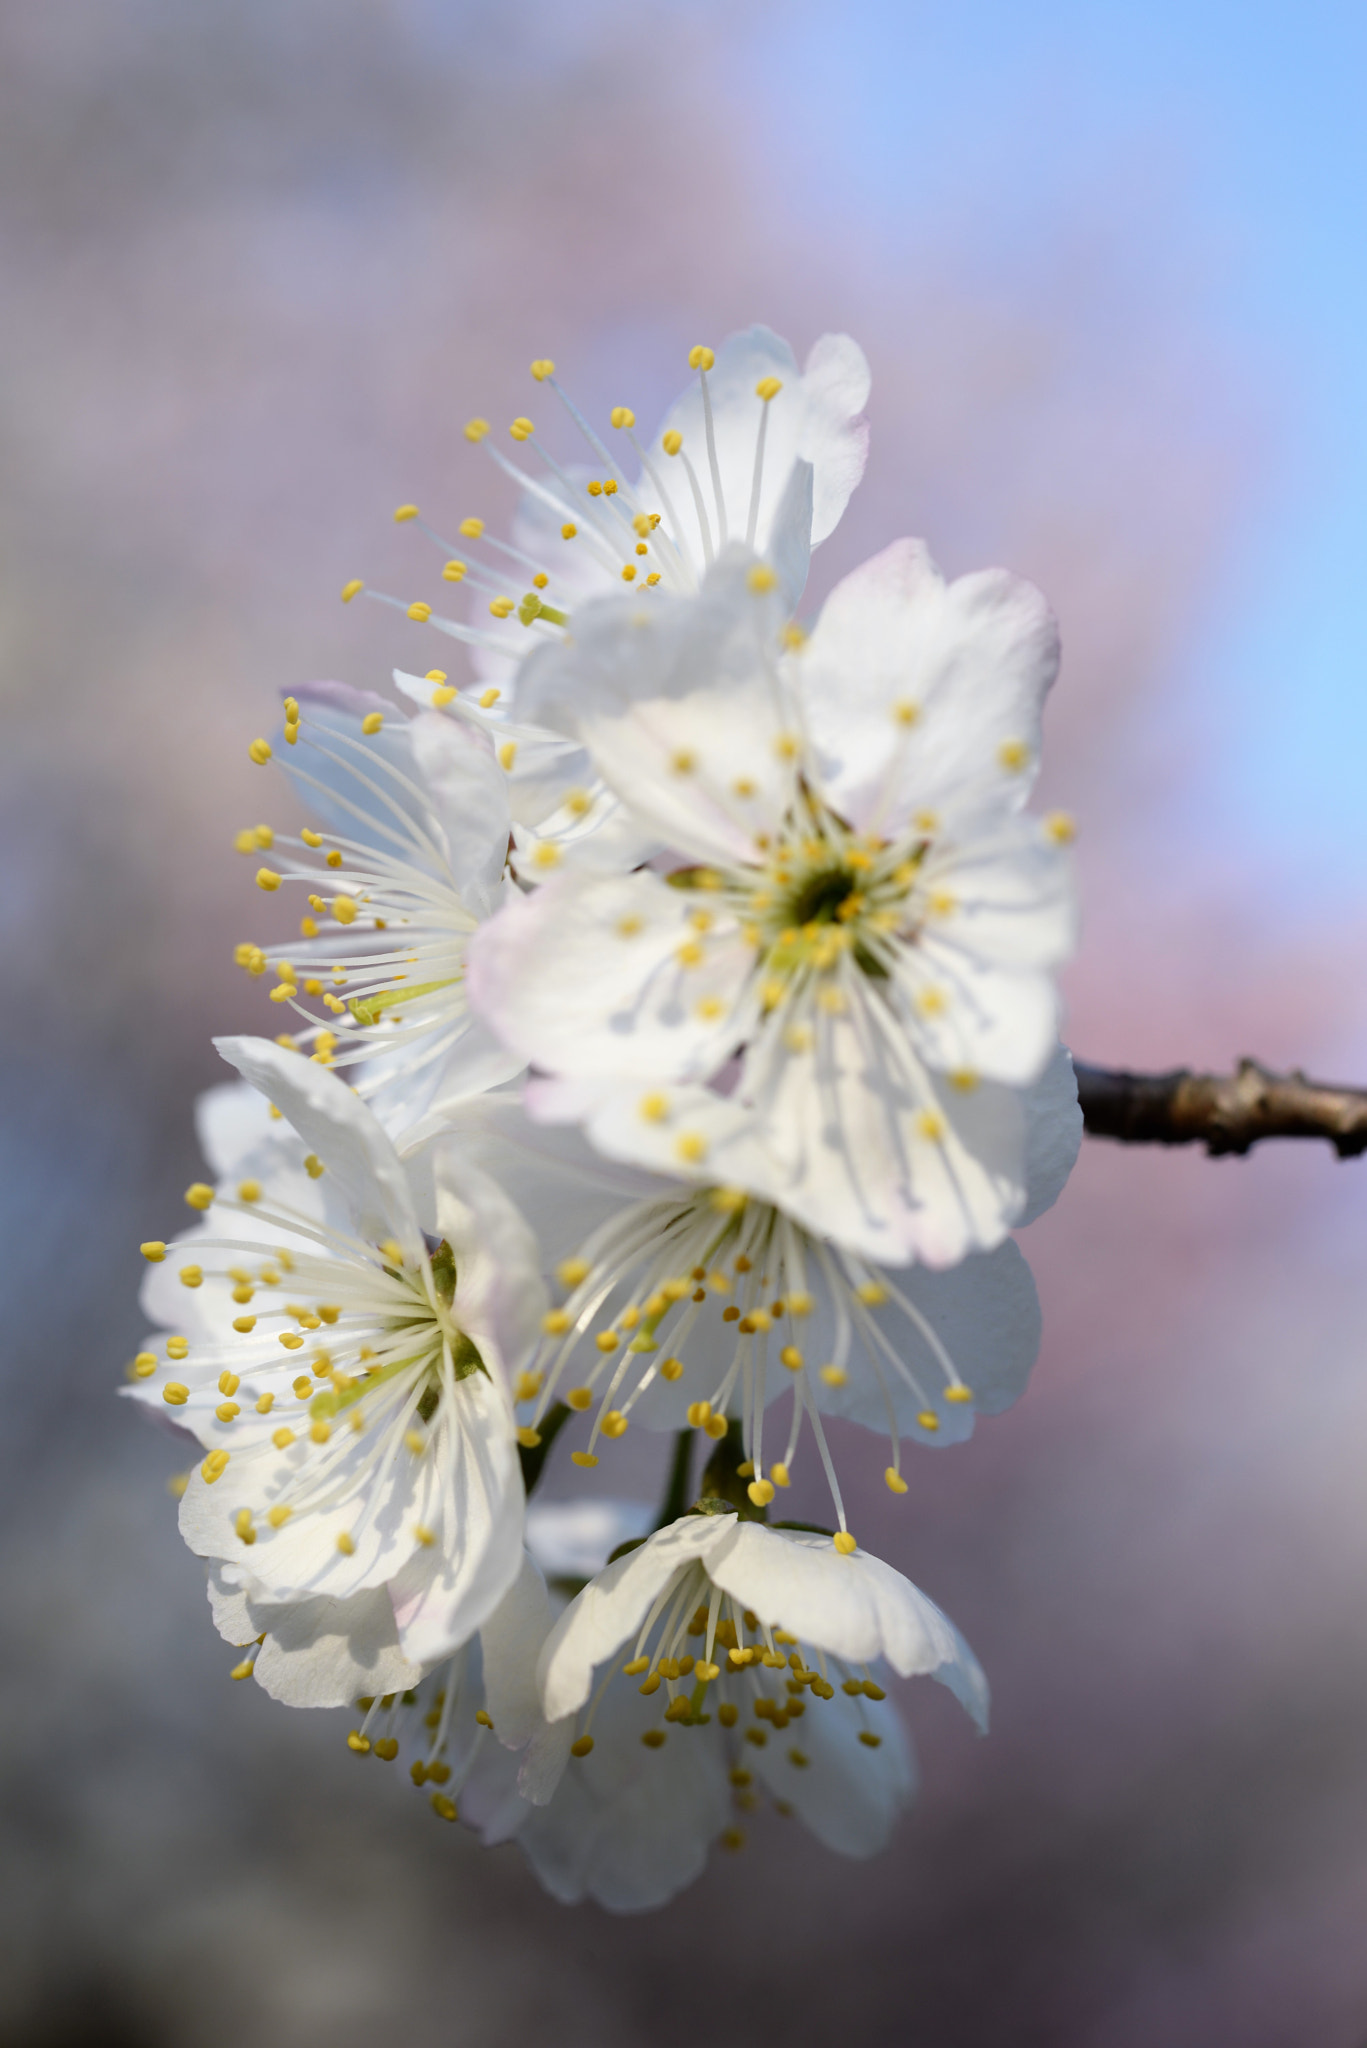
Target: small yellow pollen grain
1059, 827
905, 712
760, 577
1013, 755
691, 1147
930, 1125
654, 1108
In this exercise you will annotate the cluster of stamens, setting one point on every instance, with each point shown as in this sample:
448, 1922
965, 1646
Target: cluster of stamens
719, 1253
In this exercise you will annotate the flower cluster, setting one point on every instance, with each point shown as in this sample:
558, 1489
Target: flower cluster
671, 1041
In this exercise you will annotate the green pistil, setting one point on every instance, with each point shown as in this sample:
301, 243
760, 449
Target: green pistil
370, 1009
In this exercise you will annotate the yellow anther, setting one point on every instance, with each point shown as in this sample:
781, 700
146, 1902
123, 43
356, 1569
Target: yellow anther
543, 368
346, 1544
1059, 827
427, 1537
352, 589
267, 879
292, 733
607, 1340
475, 430
834, 1375
144, 1365
344, 909
403, 512
568, 530
177, 1347
761, 1492
698, 1414
768, 387
689, 954
791, 1357
958, 1393
595, 490
174, 1394
715, 1427
546, 855
507, 754
522, 428
584, 1458
904, 712
260, 752
228, 1383
489, 697
501, 607
282, 1439
580, 1398
529, 1438
453, 572
691, 1147
303, 1387
265, 1404
320, 1432
214, 1466
444, 1808
794, 636
928, 1420
872, 1293
360, 1743
895, 1482
654, 1107
609, 488
228, 1411
942, 903
672, 442
628, 572
555, 1323
700, 358
654, 1738
571, 1271
443, 695
623, 416
242, 1523
420, 611
760, 577
371, 723
415, 1441
154, 1251
614, 1423
671, 1369
1013, 755
844, 1543
930, 1125
832, 1001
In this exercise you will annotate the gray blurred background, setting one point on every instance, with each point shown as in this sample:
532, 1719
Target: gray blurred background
260, 261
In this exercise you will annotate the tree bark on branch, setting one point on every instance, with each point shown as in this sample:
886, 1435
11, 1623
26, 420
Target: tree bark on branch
1223, 1112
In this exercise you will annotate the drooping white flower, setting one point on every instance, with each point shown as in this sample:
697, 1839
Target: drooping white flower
690, 1294
860, 910
748, 1673
346, 1325
410, 857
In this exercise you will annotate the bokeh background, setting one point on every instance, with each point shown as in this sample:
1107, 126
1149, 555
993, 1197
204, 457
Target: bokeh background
260, 260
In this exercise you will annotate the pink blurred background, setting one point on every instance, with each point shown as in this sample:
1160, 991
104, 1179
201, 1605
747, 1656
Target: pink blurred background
261, 262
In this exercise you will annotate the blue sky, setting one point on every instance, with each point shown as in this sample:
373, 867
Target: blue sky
1257, 111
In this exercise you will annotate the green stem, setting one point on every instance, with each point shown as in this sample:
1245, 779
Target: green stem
534, 1457
676, 1500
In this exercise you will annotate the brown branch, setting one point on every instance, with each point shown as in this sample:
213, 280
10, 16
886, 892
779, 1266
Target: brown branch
1223, 1112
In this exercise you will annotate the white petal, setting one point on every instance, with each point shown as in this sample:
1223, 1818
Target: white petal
585, 978
449, 1589
849, 1796
232, 1121
1053, 1134
326, 1653
510, 1643
500, 1299
969, 662
612, 1607
335, 1124
469, 794
854, 1607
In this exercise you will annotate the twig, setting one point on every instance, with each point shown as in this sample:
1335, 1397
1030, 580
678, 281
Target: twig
1223, 1112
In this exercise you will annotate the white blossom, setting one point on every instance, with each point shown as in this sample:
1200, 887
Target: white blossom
859, 912
346, 1326
410, 857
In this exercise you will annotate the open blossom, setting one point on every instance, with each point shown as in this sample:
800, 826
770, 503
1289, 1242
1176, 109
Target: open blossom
859, 911
406, 858
685, 1299
747, 1677
346, 1326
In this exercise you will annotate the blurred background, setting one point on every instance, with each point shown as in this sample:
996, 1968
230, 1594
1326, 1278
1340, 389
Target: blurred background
261, 258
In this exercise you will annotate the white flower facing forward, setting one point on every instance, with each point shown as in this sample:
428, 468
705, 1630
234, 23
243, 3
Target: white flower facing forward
861, 912
414, 841
756, 451
685, 1301
748, 1673
350, 1322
